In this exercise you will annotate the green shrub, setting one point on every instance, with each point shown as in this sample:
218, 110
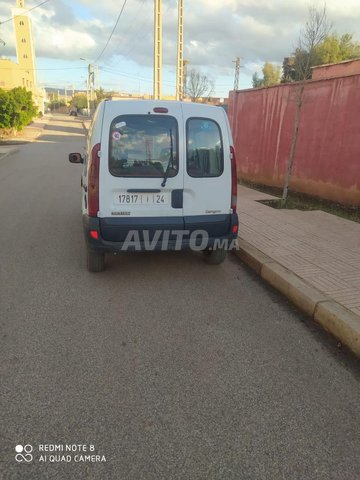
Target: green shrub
79, 100
6, 109
56, 104
16, 108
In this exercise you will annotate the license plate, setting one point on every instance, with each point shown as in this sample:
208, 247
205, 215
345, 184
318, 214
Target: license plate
141, 198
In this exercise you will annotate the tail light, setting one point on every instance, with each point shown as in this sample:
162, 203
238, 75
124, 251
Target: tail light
93, 183
233, 180
94, 234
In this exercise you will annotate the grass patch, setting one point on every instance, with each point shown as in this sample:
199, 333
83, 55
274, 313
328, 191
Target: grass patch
300, 201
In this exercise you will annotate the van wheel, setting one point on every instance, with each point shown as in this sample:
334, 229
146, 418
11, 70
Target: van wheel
215, 257
95, 261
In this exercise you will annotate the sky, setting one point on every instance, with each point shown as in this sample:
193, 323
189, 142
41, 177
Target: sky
215, 33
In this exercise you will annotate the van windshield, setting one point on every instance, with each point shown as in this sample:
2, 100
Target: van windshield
143, 146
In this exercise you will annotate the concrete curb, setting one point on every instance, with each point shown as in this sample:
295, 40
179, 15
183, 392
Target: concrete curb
37, 131
85, 127
332, 316
10, 152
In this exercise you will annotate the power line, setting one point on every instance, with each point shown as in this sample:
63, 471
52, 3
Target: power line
111, 34
38, 69
133, 26
116, 72
136, 36
127, 54
127, 75
29, 10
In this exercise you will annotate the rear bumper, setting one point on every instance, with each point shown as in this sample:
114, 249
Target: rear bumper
160, 233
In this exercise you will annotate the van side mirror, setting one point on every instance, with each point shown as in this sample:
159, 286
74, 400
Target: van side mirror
76, 158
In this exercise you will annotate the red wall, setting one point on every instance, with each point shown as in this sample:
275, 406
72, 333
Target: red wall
327, 157
342, 69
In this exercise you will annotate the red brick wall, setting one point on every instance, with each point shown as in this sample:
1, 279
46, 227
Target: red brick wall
327, 158
338, 70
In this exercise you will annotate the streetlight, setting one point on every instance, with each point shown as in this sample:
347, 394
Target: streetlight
90, 85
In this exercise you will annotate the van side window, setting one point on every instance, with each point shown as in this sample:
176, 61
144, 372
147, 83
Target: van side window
204, 148
143, 146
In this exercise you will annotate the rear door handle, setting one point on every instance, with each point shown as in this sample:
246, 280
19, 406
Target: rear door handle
143, 190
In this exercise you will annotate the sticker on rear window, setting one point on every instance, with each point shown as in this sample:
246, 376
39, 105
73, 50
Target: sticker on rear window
116, 135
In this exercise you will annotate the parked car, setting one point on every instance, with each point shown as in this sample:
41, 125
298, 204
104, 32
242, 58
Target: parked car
73, 112
153, 169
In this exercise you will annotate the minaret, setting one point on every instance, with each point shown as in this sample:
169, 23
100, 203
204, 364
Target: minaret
24, 46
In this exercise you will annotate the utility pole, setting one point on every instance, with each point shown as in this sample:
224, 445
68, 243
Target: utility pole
185, 64
180, 54
97, 77
2, 41
92, 87
157, 48
87, 96
237, 73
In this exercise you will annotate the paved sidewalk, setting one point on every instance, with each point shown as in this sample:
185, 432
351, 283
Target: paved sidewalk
29, 134
321, 249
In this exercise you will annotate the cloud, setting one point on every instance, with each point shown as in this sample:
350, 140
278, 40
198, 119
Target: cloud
215, 32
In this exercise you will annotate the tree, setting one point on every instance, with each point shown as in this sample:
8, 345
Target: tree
198, 85
288, 68
55, 104
79, 100
271, 76
101, 94
16, 108
316, 30
335, 48
24, 108
6, 109
257, 81
332, 49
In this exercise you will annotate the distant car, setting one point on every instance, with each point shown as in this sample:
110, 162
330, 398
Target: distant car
73, 112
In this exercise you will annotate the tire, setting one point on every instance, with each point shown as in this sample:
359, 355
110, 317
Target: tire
95, 261
215, 257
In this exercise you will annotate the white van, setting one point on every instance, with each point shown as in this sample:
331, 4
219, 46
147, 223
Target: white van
158, 175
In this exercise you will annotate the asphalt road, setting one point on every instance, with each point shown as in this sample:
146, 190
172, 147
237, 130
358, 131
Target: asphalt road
171, 368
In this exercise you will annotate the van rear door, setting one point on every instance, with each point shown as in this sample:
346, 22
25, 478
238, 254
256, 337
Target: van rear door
141, 177
207, 176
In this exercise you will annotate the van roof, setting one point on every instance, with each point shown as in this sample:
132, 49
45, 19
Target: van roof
157, 103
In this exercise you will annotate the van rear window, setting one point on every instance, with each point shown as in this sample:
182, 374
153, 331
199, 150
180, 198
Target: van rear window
143, 146
204, 152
